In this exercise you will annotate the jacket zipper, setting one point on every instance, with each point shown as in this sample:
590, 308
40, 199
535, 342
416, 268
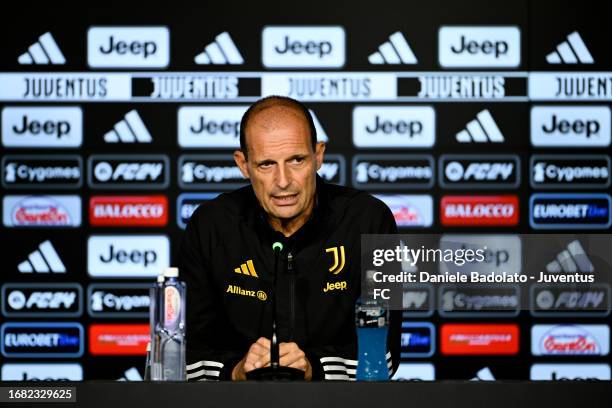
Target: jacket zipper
292, 294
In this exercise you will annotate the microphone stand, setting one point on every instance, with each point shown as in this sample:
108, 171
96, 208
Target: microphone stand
275, 372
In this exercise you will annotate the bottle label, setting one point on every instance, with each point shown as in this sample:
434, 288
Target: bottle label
172, 306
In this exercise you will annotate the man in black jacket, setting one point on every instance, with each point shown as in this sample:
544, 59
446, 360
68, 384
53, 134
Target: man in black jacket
227, 260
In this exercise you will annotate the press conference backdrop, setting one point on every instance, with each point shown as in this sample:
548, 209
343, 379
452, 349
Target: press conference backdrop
119, 119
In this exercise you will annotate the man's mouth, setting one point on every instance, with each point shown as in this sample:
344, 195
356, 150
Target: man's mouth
284, 199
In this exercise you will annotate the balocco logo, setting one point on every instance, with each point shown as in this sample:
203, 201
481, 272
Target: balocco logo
479, 210
140, 172
128, 210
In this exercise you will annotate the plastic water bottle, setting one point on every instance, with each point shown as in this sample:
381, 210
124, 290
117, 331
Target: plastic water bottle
155, 322
371, 319
147, 372
172, 334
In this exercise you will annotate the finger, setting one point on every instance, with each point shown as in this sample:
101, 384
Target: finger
262, 341
259, 350
286, 348
300, 365
292, 357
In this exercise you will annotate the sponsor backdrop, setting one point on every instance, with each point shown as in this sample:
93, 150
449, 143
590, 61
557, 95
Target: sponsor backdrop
464, 117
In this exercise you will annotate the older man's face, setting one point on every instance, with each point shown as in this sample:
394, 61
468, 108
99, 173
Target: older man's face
281, 163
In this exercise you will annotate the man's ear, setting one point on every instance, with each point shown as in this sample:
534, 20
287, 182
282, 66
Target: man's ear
319, 152
241, 162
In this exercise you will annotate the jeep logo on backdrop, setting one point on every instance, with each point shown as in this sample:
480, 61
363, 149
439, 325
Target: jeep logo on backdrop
127, 256
570, 371
42, 372
128, 47
502, 253
42, 300
550, 171
128, 171
394, 126
393, 171
478, 172
215, 127
303, 47
474, 46
42, 172
42, 127
570, 126
209, 172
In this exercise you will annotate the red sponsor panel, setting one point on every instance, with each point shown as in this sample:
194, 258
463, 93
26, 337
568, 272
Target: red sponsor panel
118, 339
482, 339
141, 211
479, 210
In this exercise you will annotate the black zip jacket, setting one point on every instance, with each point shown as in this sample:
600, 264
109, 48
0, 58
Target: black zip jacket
227, 261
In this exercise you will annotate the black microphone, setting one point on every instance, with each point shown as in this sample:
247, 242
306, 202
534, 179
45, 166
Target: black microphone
275, 372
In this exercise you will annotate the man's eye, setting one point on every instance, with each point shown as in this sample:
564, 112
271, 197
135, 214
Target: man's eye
298, 160
265, 165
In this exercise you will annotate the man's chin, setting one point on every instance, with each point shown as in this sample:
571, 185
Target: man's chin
285, 213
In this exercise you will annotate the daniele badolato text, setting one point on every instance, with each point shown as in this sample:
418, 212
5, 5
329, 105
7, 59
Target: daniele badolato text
480, 277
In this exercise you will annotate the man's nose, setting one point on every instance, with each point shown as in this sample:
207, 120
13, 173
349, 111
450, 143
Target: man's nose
283, 177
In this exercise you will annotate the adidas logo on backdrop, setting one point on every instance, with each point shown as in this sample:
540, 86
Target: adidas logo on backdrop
43, 52
572, 51
222, 51
394, 51
571, 260
43, 260
481, 130
131, 129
